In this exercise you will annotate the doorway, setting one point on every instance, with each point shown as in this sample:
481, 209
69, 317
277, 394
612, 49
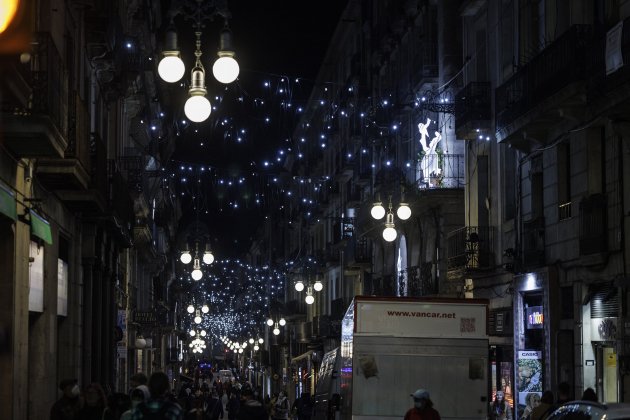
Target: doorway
607, 383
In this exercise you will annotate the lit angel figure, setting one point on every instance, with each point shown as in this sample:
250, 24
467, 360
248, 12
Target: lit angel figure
429, 165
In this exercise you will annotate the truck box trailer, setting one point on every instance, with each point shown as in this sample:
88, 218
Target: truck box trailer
392, 346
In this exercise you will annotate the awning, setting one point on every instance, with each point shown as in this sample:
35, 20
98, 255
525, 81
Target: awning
40, 228
302, 356
7, 202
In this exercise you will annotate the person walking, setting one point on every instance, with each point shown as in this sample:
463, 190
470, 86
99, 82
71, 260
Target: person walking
250, 408
281, 408
422, 407
68, 406
589, 395
232, 407
303, 406
500, 409
215, 407
545, 407
95, 404
158, 407
139, 395
564, 393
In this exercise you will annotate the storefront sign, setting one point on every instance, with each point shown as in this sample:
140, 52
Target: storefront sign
535, 317
421, 319
603, 329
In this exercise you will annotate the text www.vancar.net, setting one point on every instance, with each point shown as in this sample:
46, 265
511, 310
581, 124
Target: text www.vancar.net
419, 314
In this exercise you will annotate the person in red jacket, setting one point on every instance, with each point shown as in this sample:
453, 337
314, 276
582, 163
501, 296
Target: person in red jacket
422, 407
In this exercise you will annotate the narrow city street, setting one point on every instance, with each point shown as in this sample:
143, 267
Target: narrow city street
331, 210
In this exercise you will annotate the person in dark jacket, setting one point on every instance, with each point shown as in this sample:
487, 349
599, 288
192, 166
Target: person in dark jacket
251, 409
70, 403
232, 407
303, 407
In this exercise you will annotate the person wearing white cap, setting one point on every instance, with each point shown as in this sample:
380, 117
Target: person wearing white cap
422, 407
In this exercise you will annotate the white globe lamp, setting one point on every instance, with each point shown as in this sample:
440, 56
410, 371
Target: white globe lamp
171, 68
378, 211
185, 258
403, 212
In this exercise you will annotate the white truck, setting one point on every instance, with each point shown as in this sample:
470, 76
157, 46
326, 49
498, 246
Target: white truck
392, 346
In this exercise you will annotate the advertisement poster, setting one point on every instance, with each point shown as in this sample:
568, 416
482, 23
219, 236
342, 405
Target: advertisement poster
530, 379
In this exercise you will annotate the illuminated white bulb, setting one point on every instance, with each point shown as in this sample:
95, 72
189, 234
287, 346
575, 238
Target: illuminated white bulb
171, 68
282, 322
378, 211
197, 108
299, 286
225, 69
260, 340
197, 320
208, 258
403, 212
192, 333
256, 347
190, 309
203, 333
270, 322
185, 258
309, 299
276, 331
318, 286
205, 309
389, 233
251, 341
240, 350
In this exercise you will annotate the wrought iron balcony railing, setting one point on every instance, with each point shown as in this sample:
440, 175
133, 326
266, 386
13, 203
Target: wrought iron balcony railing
564, 61
471, 248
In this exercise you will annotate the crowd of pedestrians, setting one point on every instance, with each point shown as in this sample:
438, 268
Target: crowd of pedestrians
152, 398
537, 407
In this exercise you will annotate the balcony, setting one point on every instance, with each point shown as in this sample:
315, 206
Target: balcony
471, 248
534, 243
73, 171
473, 110
119, 201
418, 281
593, 225
39, 129
90, 200
142, 232
441, 170
545, 91
358, 252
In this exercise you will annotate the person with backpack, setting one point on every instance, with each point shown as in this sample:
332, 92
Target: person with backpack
281, 407
158, 407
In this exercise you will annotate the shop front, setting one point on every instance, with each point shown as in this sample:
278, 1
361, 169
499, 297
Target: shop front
600, 311
532, 340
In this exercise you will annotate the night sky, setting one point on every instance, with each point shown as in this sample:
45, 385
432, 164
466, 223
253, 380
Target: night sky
276, 42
